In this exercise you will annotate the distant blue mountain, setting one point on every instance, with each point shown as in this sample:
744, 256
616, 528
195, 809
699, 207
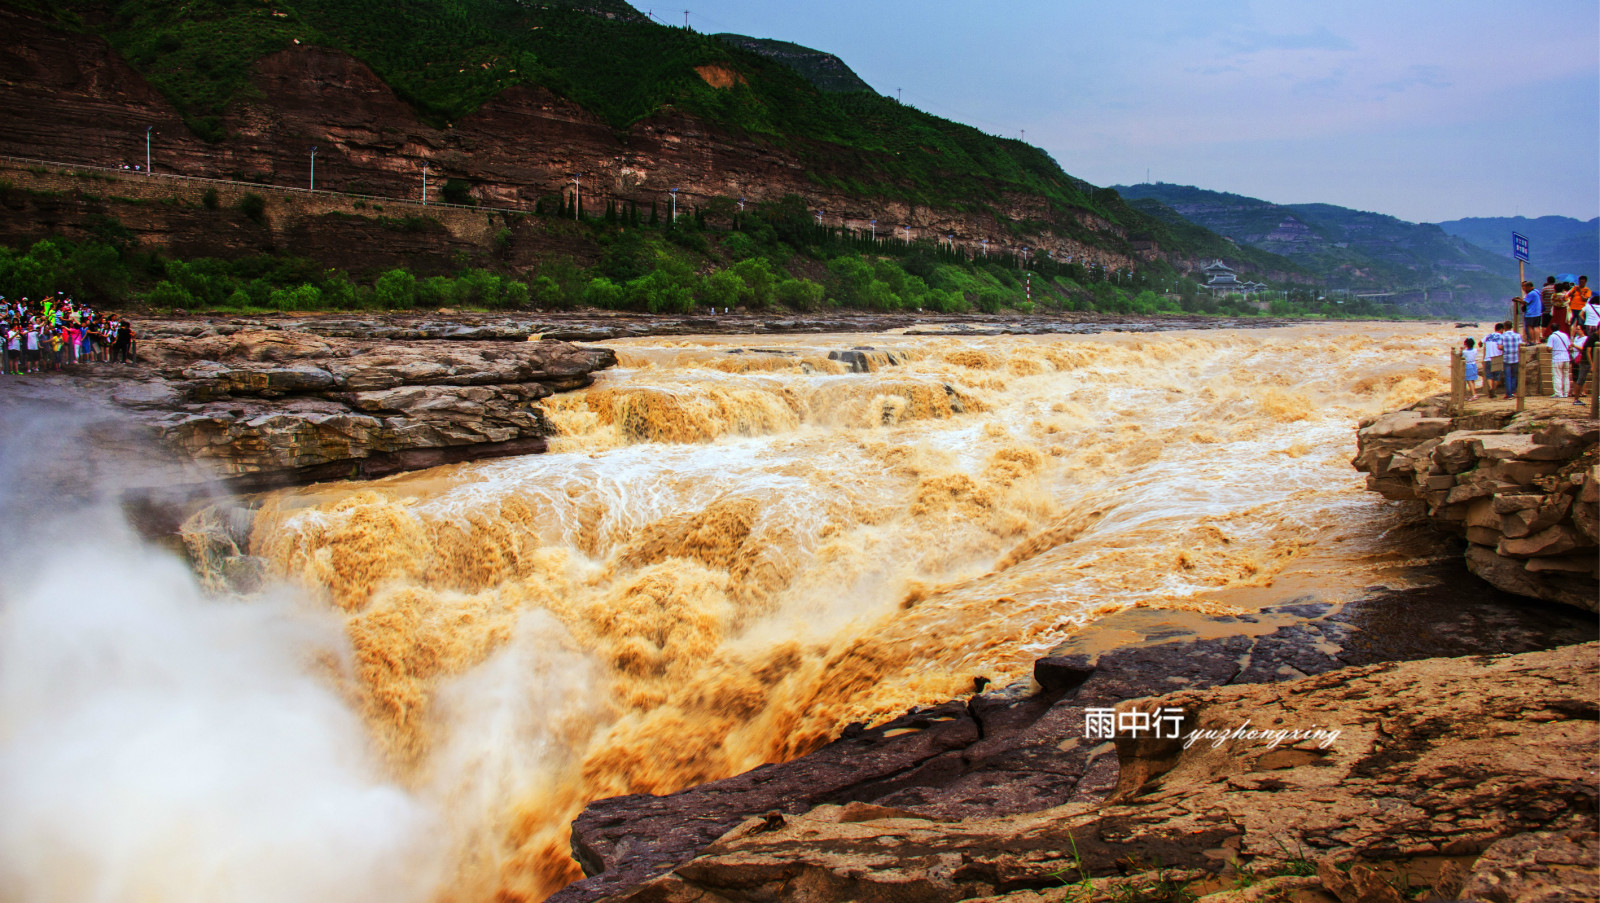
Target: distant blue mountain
1556, 244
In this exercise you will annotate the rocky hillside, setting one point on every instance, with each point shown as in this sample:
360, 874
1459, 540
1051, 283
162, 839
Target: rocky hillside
824, 70
1347, 249
504, 102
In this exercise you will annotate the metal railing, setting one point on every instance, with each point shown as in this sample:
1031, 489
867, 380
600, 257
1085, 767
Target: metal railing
136, 174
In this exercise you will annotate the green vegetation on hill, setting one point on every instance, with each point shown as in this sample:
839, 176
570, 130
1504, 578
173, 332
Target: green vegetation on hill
447, 57
774, 256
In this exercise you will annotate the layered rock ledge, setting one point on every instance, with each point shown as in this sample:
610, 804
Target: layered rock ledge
1520, 488
252, 408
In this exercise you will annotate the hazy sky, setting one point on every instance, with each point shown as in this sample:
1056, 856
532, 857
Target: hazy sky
1424, 110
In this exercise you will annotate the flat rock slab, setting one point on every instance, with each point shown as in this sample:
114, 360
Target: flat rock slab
1491, 755
1003, 753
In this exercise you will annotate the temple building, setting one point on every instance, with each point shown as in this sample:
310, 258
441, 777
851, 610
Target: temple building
1221, 279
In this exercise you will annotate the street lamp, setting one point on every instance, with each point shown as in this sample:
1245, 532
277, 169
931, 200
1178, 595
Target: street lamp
819, 217
674, 206
741, 205
424, 184
874, 231
577, 196
313, 182
147, 130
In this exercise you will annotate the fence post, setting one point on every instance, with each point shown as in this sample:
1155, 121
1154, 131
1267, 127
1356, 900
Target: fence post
1522, 378
1458, 382
1594, 382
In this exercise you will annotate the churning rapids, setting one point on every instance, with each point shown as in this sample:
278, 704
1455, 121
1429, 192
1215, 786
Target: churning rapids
729, 554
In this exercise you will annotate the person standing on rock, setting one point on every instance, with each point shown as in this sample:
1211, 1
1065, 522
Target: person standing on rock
1469, 355
1577, 299
1561, 362
1532, 313
1494, 362
1511, 345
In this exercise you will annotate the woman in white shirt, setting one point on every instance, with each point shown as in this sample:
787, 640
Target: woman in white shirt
1561, 362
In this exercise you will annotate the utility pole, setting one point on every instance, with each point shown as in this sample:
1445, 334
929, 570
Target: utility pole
147, 130
424, 184
577, 197
313, 182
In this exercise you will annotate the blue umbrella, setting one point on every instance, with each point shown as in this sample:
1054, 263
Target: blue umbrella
1567, 277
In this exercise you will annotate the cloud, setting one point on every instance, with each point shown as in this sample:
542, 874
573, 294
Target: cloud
1244, 43
1414, 77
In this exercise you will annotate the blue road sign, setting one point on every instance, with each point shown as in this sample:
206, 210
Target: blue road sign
1519, 246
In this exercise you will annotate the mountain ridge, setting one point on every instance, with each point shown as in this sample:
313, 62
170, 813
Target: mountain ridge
1352, 250
1557, 244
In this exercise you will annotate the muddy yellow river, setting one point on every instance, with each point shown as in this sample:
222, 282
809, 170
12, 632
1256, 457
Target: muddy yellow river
737, 546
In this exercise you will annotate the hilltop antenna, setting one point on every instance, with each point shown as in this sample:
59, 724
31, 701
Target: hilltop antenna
1024, 136
686, 21
897, 92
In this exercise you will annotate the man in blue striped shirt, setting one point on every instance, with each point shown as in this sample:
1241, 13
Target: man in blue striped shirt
1511, 345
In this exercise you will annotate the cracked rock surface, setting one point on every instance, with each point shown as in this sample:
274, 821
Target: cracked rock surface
1487, 761
1022, 750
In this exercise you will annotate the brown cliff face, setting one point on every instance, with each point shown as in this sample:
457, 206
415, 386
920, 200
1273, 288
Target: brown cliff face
70, 98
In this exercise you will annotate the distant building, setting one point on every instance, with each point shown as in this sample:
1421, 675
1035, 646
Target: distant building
1222, 280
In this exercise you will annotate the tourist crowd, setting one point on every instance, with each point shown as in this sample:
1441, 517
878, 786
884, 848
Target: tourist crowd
53, 332
1561, 315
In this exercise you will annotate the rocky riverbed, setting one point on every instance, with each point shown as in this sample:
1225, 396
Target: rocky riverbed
1002, 795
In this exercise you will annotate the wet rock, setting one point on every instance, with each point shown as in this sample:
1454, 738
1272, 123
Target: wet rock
1063, 673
